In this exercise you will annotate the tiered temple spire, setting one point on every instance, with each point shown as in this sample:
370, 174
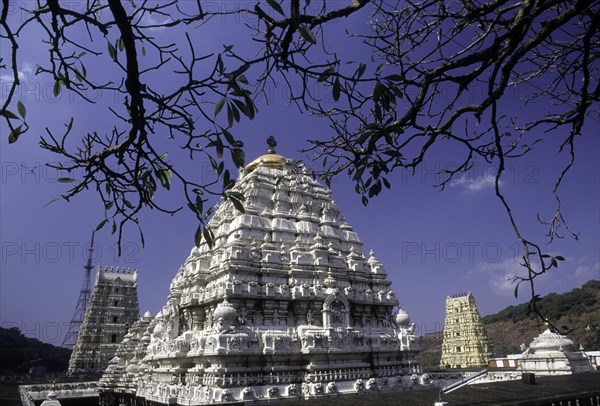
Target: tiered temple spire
465, 344
283, 305
113, 308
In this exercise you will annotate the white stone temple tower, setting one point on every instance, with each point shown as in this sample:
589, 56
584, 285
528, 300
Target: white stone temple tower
285, 305
113, 308
465, 344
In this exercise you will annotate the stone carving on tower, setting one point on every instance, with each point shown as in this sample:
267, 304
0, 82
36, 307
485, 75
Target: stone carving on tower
113, 308
465, 344
284, 305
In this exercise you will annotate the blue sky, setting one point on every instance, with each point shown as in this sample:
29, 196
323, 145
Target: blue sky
432, 243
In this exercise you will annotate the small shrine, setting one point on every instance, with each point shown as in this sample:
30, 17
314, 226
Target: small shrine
552, 353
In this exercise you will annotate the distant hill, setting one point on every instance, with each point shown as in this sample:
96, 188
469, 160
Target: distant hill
577, 311
19, 353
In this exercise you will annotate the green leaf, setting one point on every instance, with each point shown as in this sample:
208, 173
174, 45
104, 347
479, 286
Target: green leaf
208, 236
102, 223
128, 203
9, 114
517, 291
236, 114
112, 51
165, 175
213, 163
238, 157
237, 204
336, 89
151, 183
325, 74
56, 88
141, 234
365, 201
199, 205
240, 105
229, 137
226, 178
121, 44
250, 107
275, 6
21, 108
241, 69
307, 34
78, 75
198, 235
229, 115
377, 91
54, 200
14, 135
114, 227
219, 106
394, 78
65, 180
360, 70
559, 257
143, 51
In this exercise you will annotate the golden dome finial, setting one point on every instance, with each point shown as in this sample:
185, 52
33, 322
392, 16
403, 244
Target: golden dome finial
271, 159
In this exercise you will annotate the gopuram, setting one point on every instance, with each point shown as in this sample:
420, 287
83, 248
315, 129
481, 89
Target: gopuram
465, 344
284, 305
112, 310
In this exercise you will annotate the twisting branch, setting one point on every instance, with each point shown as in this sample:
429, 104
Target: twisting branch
440, 75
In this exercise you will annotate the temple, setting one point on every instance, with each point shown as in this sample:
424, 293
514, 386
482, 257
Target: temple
112, 310
465, 344
552, 353
284, 305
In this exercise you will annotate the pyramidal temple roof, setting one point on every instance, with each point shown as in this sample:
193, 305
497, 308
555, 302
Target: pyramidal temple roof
289, 213
284, 304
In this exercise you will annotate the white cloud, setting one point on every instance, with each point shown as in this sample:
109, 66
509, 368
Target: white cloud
500, 275
472, 185
154, 21
588, 271
25, 73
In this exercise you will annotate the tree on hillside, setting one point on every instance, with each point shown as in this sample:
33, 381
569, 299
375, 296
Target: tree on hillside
439, 75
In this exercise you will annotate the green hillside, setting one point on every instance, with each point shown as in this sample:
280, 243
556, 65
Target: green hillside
19, 353
556, 306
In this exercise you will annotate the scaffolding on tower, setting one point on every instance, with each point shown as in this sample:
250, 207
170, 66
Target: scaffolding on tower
82, 303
